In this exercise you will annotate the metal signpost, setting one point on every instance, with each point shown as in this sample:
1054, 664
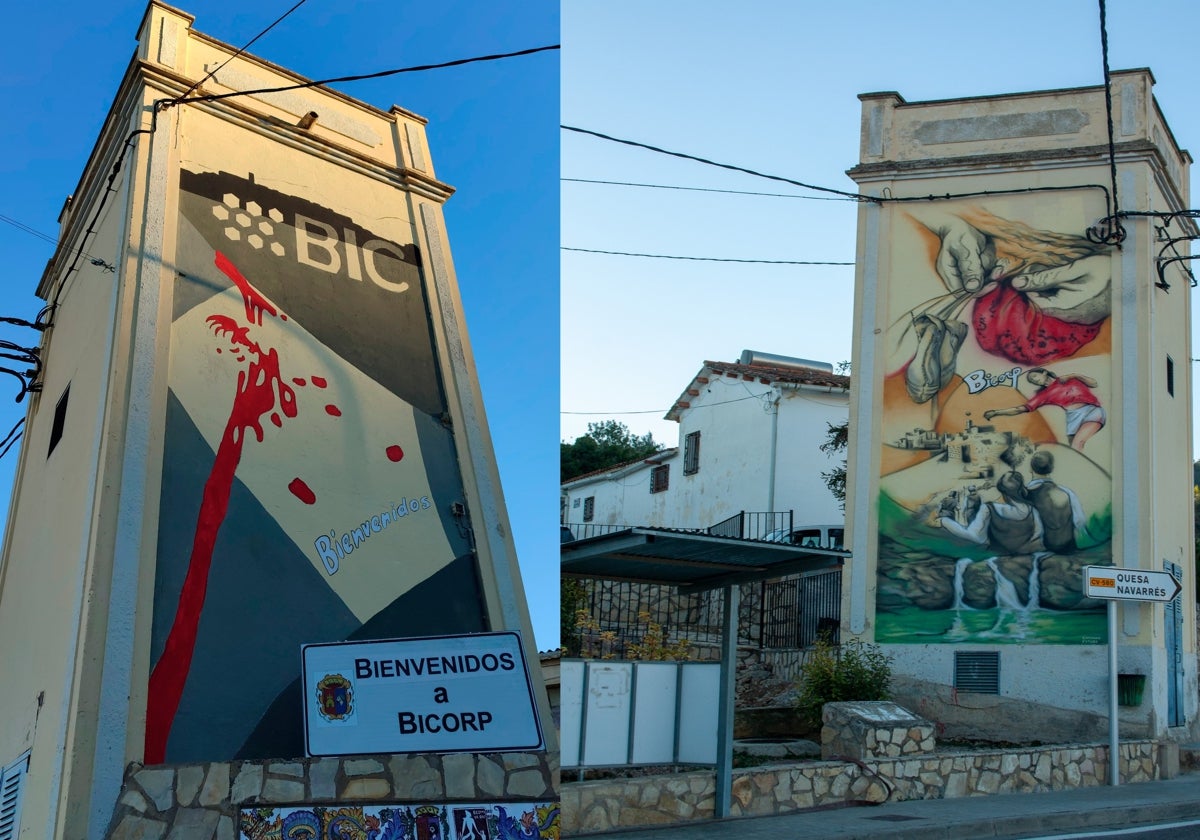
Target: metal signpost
1114, 584
438, 694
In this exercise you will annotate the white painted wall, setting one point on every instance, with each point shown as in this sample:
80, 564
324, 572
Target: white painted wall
737, 421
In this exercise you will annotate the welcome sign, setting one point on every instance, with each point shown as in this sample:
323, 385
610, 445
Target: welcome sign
465, 693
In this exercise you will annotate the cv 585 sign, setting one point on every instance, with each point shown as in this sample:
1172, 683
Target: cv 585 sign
1120, 584
468, 693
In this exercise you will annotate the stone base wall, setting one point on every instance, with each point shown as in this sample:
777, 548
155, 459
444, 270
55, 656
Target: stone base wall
203, 801
780, 788
868, 730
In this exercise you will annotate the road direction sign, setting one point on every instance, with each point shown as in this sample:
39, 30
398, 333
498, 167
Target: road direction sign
1120, 584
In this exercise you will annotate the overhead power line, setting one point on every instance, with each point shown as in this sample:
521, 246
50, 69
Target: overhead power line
730, 166
663, 410
706, 189
884, 199
358, 78
701, 259
244, 47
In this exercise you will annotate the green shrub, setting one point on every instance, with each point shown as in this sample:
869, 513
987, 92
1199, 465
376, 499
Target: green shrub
831, 674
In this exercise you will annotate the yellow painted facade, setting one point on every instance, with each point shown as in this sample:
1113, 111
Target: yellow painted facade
1005, 351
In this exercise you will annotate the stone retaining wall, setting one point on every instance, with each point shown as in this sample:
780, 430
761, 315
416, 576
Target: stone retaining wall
203, 801
589, 807
864, 731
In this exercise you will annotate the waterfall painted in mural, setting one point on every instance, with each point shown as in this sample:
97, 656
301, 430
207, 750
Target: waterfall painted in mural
996, 467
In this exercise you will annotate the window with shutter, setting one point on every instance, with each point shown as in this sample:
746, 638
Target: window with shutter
12, 783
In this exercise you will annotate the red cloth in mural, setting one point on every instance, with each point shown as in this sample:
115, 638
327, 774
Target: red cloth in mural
1062, 393
1008, 324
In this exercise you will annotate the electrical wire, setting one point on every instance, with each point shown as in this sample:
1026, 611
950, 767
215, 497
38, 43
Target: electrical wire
1116, 234
662, 411
706, 189
13, 440
161, 105
8, 220
885, 199
700, 259
48, 238
9, 437
216, 97
708, 162
245, 47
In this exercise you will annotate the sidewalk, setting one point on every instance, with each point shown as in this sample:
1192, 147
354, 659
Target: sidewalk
1010, 815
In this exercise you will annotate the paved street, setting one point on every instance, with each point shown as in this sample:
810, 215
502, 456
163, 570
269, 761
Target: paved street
1009, 816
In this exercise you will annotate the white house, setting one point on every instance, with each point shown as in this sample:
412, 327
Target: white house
749, 440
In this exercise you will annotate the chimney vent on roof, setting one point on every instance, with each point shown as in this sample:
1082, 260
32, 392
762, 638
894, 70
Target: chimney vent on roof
756, 358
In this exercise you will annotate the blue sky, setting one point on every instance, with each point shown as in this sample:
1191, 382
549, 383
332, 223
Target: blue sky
493, 136
773, 86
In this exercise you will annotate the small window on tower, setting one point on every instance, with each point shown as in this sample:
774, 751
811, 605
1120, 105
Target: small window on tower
60, 421
1170, 376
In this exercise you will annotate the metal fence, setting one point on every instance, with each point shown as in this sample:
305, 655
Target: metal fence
791, 612
755, 525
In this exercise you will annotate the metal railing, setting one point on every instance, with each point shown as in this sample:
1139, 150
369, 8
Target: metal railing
755, 525
792, 612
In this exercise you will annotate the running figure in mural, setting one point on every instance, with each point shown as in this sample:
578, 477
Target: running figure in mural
1009, 527
1072, 393
1034, 296
1058, 506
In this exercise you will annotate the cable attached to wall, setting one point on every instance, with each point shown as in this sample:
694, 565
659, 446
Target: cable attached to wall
1114, 233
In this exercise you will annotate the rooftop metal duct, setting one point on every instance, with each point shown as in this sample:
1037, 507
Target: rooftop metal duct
754, 357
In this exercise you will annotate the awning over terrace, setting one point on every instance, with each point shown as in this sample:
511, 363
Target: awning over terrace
696, 561
692, 560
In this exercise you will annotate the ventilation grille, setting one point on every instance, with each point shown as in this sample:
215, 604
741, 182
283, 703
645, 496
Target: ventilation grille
977, 671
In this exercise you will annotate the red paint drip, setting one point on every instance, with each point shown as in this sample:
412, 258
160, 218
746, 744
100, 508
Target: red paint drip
319, 381
302, 491
333, 410
276, 419
260, 391
395, 453
298, 380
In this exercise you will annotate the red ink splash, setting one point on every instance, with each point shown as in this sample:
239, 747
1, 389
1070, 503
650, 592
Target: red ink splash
333, 410
395, 453
319, 381
297, 380
302, 491
276, 419
260, 391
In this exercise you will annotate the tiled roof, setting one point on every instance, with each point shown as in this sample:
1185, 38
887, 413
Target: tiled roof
765, 374
653, 458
